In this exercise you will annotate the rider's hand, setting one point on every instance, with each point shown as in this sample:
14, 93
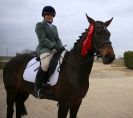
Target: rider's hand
60, 49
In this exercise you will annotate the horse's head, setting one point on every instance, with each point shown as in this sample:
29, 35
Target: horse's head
98, 37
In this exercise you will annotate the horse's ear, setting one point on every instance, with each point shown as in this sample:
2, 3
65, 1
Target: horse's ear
90, 20
107, 23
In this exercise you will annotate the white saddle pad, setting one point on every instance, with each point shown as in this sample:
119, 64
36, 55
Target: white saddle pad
30, 72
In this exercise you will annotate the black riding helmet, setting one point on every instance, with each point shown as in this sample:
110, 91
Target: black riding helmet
48, 9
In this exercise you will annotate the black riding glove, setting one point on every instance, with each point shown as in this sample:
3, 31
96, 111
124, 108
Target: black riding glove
60, 49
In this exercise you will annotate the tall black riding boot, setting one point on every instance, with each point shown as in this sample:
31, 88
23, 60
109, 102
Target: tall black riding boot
40, 78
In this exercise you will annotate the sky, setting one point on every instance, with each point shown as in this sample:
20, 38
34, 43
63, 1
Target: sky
19, 17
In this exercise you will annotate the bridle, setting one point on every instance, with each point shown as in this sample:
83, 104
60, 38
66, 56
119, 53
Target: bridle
97, 47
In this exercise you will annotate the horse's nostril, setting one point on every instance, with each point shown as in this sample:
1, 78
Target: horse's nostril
110, 57
107, 56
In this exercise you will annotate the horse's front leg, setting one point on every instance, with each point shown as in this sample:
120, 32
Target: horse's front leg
74, 109
63, 110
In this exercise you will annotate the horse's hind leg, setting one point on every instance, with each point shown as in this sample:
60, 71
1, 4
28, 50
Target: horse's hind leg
74, 110
20, 107
10, 103
63, 110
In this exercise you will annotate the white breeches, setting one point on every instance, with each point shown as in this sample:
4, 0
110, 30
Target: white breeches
46, 61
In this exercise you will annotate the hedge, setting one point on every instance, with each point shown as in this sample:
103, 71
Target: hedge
128, 59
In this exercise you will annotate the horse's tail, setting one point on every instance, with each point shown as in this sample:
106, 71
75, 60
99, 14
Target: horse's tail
20, 106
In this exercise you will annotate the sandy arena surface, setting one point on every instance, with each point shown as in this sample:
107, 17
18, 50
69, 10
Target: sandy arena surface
110, 96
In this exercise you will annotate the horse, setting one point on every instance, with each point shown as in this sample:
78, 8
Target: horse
73, 80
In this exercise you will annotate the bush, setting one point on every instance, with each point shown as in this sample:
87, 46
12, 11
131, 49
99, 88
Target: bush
128, 59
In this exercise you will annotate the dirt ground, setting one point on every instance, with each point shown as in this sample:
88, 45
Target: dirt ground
110, 96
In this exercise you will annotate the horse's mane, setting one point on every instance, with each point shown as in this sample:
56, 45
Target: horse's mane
83, 35
81, 38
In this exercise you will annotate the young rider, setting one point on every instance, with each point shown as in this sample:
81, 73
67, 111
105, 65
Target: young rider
49, 41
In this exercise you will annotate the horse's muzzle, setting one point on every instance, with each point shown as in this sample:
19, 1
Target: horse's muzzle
108, 59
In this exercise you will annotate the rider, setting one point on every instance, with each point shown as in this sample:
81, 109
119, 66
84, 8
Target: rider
49, 42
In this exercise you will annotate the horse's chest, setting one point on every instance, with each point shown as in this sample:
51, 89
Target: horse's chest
78, 90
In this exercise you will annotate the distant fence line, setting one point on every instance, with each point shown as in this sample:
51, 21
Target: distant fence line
4, 60
7, 51
116, 62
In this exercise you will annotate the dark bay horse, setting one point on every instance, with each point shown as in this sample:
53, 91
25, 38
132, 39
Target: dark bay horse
73, 82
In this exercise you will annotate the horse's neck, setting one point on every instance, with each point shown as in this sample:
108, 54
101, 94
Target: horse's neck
76, 56
82, 63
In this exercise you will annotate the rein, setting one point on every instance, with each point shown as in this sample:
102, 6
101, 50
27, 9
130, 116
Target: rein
81, 63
